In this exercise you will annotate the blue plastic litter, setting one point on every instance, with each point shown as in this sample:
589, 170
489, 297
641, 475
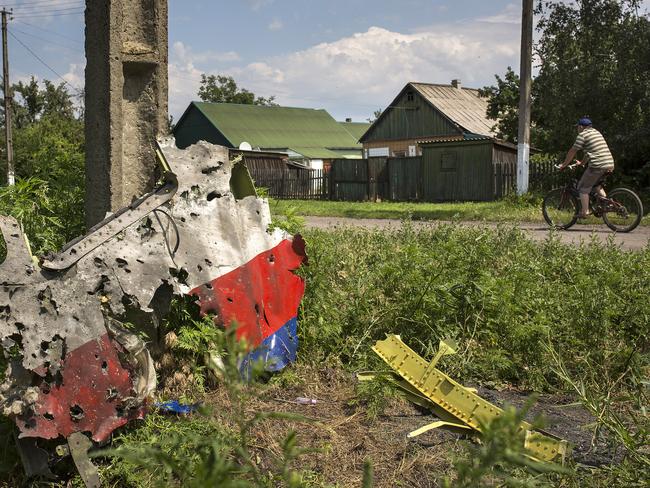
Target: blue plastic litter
174, 406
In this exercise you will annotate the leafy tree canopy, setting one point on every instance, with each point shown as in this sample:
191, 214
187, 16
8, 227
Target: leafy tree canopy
49, 161
594, 59
224, 89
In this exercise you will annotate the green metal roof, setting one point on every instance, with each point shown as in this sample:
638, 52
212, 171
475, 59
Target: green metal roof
356, 129
309, 132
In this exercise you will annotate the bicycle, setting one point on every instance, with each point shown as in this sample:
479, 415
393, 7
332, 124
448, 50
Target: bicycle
621, 210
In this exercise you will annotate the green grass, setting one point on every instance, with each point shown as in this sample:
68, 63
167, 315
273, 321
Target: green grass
513, 209
499, 211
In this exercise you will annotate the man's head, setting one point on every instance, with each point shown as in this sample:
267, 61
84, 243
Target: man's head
583, 123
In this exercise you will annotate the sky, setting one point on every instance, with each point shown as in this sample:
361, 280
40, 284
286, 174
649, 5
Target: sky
350, 57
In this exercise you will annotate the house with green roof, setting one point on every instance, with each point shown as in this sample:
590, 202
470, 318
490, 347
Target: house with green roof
308, 135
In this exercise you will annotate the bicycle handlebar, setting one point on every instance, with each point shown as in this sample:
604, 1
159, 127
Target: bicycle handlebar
570, 166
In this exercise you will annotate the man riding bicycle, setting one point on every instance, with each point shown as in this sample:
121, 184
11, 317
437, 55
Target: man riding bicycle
598, 157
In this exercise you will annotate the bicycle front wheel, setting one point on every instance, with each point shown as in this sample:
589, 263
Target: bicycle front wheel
560, 208
623, 211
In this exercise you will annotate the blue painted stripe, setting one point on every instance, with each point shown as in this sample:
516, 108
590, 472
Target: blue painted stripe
276, 351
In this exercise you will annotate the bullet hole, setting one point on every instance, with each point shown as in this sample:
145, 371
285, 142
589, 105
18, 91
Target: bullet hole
121, 262
209, 169
119, 410
229, 300
48, 416
271, 258
73, 251
104, 367
180, 274
212, 195
208, 286
99, 262
208, 262
257, 309
194, 215
77, 413
199, 267
140, 261
183, 219
45, 345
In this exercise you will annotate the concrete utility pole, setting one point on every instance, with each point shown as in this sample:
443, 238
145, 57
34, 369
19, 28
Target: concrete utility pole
523, 137
11, 175
125, 100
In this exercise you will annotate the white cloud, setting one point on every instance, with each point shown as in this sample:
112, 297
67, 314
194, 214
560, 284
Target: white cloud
257, 5
276, 24
355, 75
511, 15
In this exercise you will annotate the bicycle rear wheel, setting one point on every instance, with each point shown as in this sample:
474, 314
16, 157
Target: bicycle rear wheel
623, 211
560, 208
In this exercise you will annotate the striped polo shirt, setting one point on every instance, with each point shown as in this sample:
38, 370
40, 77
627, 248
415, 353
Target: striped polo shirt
594, 145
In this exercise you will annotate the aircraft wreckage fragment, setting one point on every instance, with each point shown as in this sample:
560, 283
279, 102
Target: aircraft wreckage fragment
458, 408
73, 366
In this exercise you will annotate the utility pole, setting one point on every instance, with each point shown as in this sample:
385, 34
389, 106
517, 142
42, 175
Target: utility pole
525, 82
11, 176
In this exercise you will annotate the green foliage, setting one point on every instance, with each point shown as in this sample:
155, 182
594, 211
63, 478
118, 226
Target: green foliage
501, 456
602, 396
290, 221
49, 162
224, 89
496, 292
592, 62
503, 105
30, 203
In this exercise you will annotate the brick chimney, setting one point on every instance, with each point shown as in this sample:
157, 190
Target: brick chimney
456, 84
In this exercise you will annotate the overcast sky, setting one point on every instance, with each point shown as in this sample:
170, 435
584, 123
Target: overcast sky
350, 57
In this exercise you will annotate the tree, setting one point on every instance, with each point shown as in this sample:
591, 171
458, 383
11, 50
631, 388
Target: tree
224, 89
503, 105
375, 115
594, 60
49, 158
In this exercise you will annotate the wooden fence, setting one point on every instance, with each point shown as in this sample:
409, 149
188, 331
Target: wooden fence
542, 176
290, 183
392, 179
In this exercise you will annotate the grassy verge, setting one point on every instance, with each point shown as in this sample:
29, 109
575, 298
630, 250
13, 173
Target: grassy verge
514, 210
542, 317
511, 210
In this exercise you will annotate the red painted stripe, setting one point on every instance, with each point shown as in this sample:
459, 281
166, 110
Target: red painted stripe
91, 376
259, 297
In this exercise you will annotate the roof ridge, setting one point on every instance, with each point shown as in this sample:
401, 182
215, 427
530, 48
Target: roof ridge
442, 85
257, 106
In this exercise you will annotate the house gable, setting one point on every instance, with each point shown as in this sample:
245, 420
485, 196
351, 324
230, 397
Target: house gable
410, 116
194, 126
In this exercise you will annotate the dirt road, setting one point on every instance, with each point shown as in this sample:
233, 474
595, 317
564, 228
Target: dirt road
635, 240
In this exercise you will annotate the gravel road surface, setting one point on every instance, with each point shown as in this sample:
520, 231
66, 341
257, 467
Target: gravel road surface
636, 240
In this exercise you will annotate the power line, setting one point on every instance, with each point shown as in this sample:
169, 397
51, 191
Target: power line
45, 64
49, 41
20, 4
31, 16
47, 7
51, 32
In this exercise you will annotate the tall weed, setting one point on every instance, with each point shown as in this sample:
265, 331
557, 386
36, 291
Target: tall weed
496, 292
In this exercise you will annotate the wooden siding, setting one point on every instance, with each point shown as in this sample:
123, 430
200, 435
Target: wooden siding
195, 127
454, 172
404, 179
410, 119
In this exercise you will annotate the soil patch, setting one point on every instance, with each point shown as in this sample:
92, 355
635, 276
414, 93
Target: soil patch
343, 434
